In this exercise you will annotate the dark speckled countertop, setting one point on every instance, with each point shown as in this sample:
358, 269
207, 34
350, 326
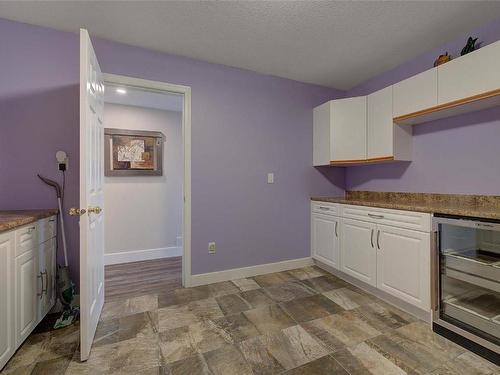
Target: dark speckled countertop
481, 206
13, 219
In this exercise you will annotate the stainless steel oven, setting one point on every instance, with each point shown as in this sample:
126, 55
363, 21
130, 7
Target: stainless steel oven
466, 283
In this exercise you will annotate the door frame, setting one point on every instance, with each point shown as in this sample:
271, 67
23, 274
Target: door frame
186, 143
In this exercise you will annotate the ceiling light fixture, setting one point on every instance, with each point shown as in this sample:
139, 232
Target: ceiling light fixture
121, 91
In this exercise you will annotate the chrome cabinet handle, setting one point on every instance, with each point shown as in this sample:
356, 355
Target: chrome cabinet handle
378, 239
371, 237
376, 216
31, 229
336, 225
41, 292
44, 290
324, 208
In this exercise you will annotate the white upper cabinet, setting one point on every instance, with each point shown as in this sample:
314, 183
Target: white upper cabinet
416, 93
321, 134
473, 74
348, 129
380, 126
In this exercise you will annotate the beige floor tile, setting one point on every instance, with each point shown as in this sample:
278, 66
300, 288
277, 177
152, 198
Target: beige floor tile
361, 359
339, 330
246, 284
276, 278
307, 272
288, 291
129, 306
268, 319
347, 298
293, 347
227, 361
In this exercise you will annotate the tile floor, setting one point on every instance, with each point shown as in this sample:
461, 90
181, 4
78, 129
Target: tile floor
302, 321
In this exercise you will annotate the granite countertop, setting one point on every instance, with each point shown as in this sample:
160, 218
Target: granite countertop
481, 206
13, 219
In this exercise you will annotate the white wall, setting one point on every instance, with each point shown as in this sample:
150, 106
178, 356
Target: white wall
143, 215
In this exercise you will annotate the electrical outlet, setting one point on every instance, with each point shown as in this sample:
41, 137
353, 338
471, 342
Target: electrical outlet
211, 248
270, 178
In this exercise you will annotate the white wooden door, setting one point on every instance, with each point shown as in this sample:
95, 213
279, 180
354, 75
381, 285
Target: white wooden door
91, 194
348, 130
26, 294
7, 302
325, 239
403, 264
359, 257
380, 128
416, 93
473, 74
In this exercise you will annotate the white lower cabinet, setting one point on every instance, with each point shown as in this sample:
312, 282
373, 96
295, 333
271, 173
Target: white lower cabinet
359, 256
403, 264
7, 330
391, 258
46, 277
26, 294
27, 283
325, 239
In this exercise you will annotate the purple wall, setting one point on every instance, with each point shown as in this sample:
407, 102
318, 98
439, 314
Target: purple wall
38, 116
455, 155
243, 125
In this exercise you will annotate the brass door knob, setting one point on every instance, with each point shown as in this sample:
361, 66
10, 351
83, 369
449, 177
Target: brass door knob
73, 211
94, 210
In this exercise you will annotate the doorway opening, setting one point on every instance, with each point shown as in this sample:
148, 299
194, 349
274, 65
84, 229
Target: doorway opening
147, 187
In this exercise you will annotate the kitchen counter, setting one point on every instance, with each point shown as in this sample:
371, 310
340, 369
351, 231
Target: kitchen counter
13, 219
481, 206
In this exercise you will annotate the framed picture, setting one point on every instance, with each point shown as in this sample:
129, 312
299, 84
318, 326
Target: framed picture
133, 152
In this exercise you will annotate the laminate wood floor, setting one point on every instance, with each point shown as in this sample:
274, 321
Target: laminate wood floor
140, 278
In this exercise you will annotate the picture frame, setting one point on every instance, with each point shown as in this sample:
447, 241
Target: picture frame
133, 152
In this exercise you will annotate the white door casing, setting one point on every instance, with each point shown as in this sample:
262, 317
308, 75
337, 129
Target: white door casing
91, 193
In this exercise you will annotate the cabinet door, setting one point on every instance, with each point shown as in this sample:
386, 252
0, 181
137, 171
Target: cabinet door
7, 337
325, 239
26, 294
380, 142
321, 134
348, 129
403, 264
475, 73
46, 278
50, 263
358, 256
415, 93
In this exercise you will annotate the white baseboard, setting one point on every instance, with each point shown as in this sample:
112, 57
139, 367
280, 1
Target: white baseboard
238, 273
138, 255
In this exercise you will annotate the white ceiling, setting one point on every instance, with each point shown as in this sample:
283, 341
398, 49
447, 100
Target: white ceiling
332, 43
143, 98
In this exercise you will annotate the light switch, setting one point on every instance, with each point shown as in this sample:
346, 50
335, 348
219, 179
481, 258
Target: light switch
270, 178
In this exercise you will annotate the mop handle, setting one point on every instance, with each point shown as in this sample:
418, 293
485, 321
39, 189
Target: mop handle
61, 216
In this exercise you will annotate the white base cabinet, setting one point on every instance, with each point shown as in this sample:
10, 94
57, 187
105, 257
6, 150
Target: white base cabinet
7, 301
387, 249
27, 282
359, 257
403, 264
325, 239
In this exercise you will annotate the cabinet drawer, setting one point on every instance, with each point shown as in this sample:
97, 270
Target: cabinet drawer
397, 218
47, 229
26, 238
325, 208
